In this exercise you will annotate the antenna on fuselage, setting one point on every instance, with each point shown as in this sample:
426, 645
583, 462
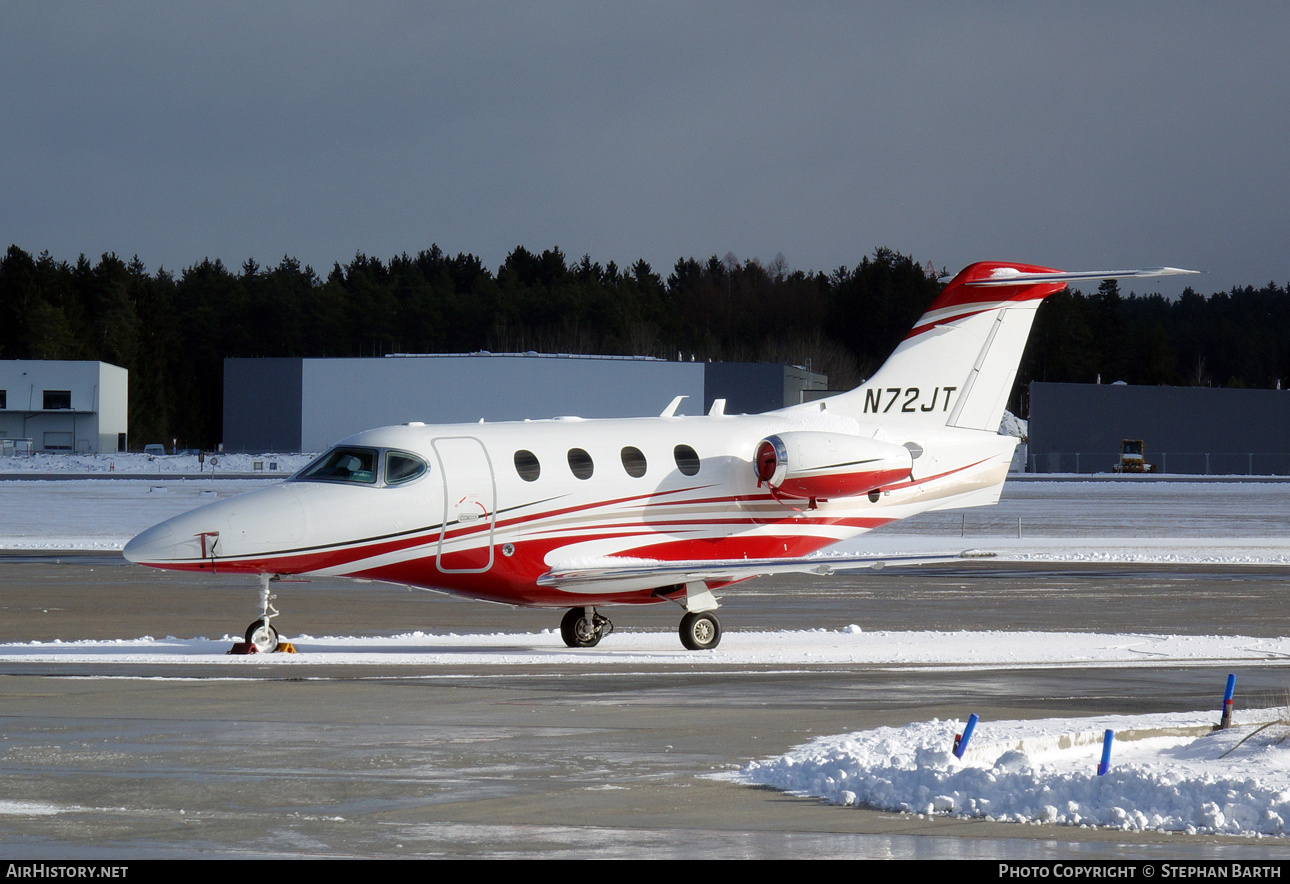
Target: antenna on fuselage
672, 406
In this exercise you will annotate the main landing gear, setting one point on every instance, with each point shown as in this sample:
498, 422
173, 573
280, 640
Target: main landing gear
261, 633
584, 628
700, 632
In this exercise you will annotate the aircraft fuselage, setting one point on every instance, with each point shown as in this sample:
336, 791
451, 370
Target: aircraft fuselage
494, 507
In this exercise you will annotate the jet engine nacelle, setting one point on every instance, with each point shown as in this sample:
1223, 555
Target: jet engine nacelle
817, 466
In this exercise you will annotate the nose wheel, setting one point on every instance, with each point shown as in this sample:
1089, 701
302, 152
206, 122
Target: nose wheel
261, 633
584, 628
263, 636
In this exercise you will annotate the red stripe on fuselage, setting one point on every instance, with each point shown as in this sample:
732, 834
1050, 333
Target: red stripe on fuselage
512, 580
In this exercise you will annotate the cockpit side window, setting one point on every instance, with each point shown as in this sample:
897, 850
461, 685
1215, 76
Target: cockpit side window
400, 466
343, 465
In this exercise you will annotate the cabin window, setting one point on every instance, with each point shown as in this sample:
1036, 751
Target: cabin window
580, 463
633, 462
526, 464
687, 461
403, 467
343, 465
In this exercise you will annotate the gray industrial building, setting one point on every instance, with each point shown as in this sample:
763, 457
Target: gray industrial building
63, 406
296, 404
1078, 428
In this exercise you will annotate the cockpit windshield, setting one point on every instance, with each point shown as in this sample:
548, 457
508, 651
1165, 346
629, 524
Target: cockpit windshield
360, 466
343, 465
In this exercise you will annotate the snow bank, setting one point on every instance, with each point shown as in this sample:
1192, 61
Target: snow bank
1168, 772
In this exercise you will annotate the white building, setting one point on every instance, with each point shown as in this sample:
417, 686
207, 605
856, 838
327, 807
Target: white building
76, 407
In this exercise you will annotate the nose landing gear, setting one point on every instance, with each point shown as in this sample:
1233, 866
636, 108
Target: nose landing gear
261, 633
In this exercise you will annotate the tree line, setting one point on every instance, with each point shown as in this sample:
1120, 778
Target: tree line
173, 331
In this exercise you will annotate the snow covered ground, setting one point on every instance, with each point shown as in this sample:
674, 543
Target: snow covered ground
147, 464
1167, 772
851, 646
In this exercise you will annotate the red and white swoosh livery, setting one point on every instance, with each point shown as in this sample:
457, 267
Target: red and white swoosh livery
580, 514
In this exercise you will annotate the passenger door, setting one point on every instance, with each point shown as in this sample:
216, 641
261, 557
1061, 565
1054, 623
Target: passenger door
469, 505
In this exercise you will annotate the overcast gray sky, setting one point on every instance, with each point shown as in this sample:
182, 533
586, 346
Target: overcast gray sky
1076, 135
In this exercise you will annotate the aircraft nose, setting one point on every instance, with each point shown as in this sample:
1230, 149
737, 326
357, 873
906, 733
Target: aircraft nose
157, 544
180, 541
255, 524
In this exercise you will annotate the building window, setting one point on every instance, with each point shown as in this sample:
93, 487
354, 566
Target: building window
57, 399
580, 463
633, 462
526, 464
687, 460
4, 394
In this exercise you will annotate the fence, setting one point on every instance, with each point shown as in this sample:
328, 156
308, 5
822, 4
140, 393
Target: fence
1198, 463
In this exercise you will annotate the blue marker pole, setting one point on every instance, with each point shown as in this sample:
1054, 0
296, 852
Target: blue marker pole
1106, 753
1226, 720
961, 741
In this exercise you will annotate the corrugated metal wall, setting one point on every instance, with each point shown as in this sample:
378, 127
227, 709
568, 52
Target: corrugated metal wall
1190, 430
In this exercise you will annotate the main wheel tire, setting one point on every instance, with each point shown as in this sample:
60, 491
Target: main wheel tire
263, 636
578, 630
700, 632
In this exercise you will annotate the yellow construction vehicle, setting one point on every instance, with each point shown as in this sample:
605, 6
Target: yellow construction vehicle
1133, 458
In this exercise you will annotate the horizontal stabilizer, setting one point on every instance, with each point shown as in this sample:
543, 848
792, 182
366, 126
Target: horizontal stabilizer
1013, 276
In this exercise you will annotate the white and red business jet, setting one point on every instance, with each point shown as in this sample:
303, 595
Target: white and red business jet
578, 514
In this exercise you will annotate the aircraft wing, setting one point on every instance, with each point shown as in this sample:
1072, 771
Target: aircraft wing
626, 574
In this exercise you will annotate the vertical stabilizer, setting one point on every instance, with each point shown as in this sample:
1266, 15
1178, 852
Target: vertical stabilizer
956, 366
